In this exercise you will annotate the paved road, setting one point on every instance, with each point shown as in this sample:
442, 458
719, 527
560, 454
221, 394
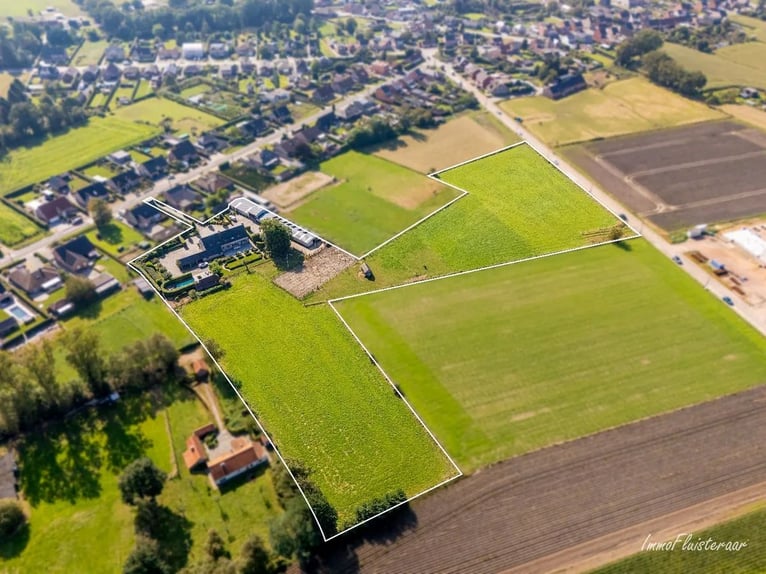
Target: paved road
754, 316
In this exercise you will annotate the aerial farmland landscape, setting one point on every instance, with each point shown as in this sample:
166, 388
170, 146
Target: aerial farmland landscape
314, 286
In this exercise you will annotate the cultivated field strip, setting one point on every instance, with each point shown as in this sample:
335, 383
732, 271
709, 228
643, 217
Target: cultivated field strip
541, 503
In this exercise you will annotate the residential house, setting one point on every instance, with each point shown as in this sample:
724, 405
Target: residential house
211, 143
255, 127
245, 455
111, 73
266, 159
33, 283
387, 94
169, 53
8, 326
76, 255
95, 190
184, 152
308, 135
342, 83
323, 94
154, 168
327, 121
288, 148
124, 182
184, 198
223, 243
104, 284
120, 157
59, 183
564, 86
219, 50
213, 183
55, 211
281, 114
114, 53
144, 217
193, 51
352, 112
90, 74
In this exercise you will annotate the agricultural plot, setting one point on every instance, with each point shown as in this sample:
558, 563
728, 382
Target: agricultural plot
14, 227
738, 65
373, 200
705, 173
620, 108
747, 114
154, 111
77, 147
754, 27
317, 395
458, 140
509, 360
518, 206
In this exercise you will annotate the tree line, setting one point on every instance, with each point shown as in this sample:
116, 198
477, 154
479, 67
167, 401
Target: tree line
644, 50
22, 122
31, 390
193, 16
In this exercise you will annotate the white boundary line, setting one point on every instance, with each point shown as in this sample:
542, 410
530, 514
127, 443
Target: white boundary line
179, 217
138, 270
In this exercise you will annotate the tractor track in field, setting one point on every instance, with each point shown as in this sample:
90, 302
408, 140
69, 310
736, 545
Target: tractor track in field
542, 503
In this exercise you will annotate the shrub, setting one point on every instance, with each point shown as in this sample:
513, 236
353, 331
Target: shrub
11, 517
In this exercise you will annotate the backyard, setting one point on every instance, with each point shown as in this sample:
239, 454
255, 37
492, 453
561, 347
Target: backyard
622, 107
69, 476
509, 360
317, 394
518, 206
153, 111
14, 227
77, 147
373, 200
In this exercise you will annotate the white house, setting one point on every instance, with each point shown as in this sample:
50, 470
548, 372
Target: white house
193, 50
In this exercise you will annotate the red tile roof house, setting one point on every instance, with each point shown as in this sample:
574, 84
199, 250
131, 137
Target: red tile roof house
244, 456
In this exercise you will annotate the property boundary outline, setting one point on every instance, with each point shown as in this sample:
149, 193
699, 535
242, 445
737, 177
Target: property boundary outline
182, 218
172, 213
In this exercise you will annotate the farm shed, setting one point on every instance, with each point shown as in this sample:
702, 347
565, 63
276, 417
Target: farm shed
749, 242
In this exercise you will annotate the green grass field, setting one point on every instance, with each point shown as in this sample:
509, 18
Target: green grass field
153, 111
21, 9
622, 107
76, 148
509, 360
69, 475
115, 236
755, 27
748, 560
317, 394
14, 227
90, 53
374, 200
518, 206
737, 65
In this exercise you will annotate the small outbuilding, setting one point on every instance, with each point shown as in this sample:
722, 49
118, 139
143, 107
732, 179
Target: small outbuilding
201, 370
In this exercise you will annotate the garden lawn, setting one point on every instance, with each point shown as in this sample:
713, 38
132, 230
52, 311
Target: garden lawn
460, 139
738, 65
509, 360
76, 148
69, 476
114, 236
624, 107
518, 206
317, 395
750, 528
14, 227
153, 111
374, 200
90, 53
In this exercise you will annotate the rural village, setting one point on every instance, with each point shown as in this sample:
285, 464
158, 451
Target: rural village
321, 286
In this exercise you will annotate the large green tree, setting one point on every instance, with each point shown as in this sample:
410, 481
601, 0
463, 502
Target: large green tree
276, 236
141, 479
85, 355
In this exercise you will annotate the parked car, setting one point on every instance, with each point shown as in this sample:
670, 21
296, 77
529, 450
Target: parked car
677, 259
623, 217
728, 301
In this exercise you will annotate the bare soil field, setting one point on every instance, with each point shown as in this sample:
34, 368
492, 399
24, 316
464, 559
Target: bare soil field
290, 193
677, 178
539, 504
315, 271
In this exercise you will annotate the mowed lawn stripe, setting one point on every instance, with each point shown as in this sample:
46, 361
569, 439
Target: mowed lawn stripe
556, 348
14, 227
317, 394
374, 200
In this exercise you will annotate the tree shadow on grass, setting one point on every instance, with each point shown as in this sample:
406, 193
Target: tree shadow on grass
294, 260
110, 233
172, 531
624, 245
14, 546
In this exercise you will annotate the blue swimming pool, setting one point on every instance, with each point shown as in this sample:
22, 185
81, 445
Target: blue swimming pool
20, 314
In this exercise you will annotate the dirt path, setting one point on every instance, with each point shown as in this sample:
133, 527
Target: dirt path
567, 498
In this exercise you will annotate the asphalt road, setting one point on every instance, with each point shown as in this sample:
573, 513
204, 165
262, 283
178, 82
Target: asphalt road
756, 317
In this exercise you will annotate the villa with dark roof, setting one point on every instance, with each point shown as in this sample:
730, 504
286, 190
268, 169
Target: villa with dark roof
224, 243
76, 255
